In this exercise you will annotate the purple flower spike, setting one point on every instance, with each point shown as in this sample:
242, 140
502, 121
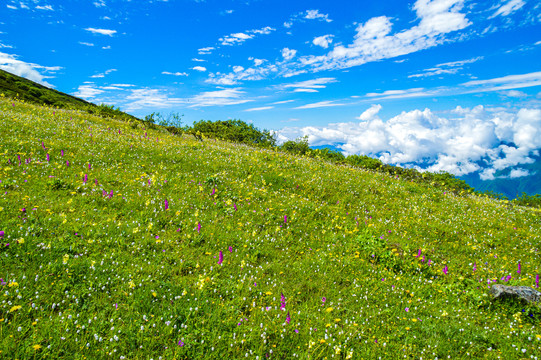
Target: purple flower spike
536, 276
221, 258
419, 253
62, 153
111, 194
180, 343
89, 166
48, 158
288, 318
1, 234
231, 249
67, 163
285, 219
198, 227
519, 268
85, 179
445, 270
166, 204
474, 267
213, 191
235, 206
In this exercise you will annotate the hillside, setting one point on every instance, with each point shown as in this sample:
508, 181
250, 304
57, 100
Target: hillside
16, 87
124, 242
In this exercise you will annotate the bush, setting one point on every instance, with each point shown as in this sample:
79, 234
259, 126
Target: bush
233, 130
299, 146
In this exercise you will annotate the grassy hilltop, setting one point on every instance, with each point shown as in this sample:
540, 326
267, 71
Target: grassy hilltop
124, 242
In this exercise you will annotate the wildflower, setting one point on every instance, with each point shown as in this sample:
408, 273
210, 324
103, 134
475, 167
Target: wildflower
407, 309
180, 343
67, 163
1, 234
445, 270
235, 206
36, 347
221, 258
85, 179
519, 268
198, 227
65, 259
419, 253
15, 308
62, 153
288, 318
213, 191
537, 281
231, 249
283, 303
89, 166
285, 219
166, 204
48, 158
329, 309
474, 267
111, 194
323, 299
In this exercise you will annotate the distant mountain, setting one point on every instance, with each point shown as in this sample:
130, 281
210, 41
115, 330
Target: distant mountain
508, 186
14, 86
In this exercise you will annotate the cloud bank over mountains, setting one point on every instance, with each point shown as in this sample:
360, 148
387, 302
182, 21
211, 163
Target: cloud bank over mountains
464, 141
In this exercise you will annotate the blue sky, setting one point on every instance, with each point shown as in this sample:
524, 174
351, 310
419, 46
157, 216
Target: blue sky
450, 85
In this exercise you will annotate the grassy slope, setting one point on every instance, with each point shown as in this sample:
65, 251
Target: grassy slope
101, 268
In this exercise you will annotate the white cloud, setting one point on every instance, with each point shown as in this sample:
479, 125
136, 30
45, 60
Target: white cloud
370, 113
206, 50
45, 7
308, 85
514, 93
199, 68
288, 54
101, 31
319, 105
11, 7
506, 82
198, 60
99, 3
323, 41
88, 91
239, 38
150, 98
102, 75
175, 73
260, 108
446, 68
223, 97
373, 41
106, 47
516, 173
508, 8
11, 64
314, 14
86, 43
468, 140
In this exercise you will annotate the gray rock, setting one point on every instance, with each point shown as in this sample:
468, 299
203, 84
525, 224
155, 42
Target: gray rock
522, 292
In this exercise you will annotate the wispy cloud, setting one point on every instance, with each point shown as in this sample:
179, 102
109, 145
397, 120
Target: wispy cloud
86, 43
308, 85
101, 31
223, 97
307, 15
103, 74
175, 73
199, 68
30, 71
239, 38
508, 8
260, 108
446, 68
206, 50
319, 105
505, 82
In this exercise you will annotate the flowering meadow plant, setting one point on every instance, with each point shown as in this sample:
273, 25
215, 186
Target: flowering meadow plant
124, 242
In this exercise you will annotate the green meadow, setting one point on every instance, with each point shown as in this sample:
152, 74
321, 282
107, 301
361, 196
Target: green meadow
124, 242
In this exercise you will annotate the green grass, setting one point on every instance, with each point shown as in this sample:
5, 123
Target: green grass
102, 270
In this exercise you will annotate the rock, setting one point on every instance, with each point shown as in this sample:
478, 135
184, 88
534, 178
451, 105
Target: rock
523, 292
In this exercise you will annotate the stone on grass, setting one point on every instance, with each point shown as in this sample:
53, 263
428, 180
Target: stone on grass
522, 292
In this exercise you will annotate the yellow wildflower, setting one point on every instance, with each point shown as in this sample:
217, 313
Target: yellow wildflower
15, 308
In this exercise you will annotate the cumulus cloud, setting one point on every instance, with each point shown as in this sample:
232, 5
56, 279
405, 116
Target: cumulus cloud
467, 140
30, 71
205, 51
315, 14
88, 91
371, 113
199, 68
239, 38
101, 31
323, 41
288, 54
